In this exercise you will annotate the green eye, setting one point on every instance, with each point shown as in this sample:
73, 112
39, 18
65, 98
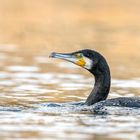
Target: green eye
79, 55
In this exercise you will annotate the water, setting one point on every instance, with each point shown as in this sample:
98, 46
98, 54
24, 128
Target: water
28, 84
29, 79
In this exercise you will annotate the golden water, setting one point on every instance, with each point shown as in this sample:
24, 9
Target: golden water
30, 30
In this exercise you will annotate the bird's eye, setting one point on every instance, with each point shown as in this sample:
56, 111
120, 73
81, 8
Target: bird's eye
79, 55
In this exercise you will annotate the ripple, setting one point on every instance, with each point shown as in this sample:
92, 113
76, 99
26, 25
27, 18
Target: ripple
73, 86
33, 75
126, 83
34, 88
4, 75
23, 68
7, 83
70, 76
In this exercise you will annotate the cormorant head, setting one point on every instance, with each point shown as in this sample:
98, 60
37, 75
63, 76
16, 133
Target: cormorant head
97, 65
88, 59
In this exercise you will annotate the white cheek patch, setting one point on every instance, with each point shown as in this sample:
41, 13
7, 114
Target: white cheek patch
88, 64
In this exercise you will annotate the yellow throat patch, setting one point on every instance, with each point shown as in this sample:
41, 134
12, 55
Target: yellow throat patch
81, 62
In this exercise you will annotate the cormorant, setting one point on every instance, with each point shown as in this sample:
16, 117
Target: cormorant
95, 63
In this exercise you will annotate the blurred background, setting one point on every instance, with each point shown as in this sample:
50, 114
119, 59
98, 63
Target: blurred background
111, 27
30, 30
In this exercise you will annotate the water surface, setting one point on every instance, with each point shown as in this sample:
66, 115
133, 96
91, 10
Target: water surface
26, 86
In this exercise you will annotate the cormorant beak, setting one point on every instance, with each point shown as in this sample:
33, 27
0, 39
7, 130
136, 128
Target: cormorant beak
78, 59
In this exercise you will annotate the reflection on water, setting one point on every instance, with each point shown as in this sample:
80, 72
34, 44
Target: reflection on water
26, 86
29, 79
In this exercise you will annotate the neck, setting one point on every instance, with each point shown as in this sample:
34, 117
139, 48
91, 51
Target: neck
101, 87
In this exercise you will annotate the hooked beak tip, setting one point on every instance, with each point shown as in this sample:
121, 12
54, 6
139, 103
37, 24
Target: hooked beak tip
52, 55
